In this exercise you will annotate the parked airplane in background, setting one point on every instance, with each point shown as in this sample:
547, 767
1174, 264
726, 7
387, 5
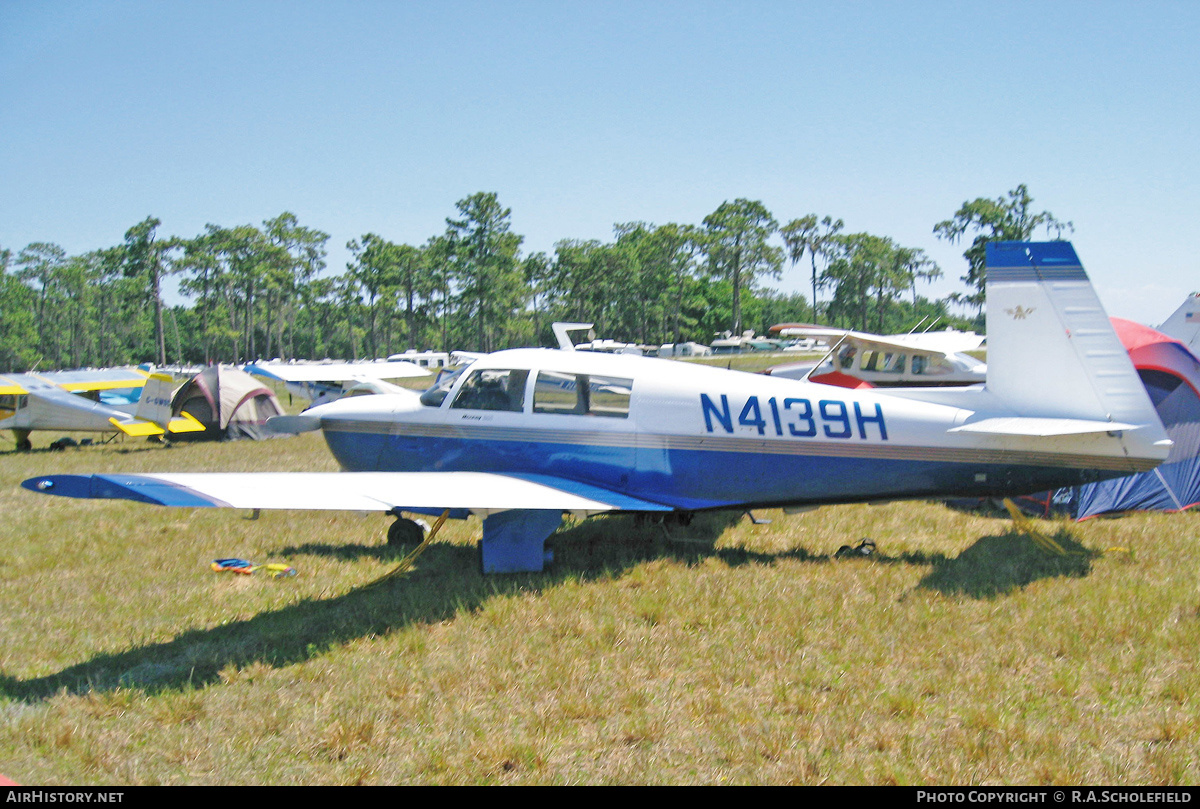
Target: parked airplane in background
107, 401
325, 382
1184, 324
899, 360
434, 360
525, 435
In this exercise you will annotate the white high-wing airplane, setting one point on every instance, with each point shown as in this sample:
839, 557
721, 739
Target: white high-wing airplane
105, 400
326, 382
513, 443
928, 359
916, 359
1184, 323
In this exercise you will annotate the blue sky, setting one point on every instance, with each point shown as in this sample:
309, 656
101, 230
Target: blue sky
377, 117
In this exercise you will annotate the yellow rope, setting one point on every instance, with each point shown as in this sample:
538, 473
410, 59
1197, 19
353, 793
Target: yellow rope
1025, 526
407, 562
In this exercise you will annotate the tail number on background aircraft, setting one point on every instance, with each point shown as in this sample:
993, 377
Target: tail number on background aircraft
798, 416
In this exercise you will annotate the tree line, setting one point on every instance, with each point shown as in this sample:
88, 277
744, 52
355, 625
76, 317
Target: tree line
263, 291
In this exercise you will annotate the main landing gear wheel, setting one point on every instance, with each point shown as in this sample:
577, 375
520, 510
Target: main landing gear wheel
24, 445
404, 533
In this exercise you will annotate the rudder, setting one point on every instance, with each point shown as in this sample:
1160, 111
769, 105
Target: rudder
1051, 348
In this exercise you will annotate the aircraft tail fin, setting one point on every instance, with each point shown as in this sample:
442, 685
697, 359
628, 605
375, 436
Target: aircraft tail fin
154, 405
153, 415
1184, 324
1052, 351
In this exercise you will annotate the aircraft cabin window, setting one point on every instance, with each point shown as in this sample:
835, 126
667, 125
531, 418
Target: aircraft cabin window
937, 366
492, 389
581, 394
892, 364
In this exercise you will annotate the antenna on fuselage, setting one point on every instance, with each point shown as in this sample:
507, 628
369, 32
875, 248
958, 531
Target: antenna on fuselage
564, 339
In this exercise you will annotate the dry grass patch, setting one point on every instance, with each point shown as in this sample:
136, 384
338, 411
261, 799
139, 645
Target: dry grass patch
727, 652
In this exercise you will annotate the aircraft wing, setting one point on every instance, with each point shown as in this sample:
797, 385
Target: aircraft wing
99, 379
939, 342
480, 493
336, 372
11, 387
934, 343
73, 381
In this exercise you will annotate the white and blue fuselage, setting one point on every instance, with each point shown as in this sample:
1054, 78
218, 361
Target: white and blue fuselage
695, 437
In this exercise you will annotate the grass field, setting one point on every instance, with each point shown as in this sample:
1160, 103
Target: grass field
727, 652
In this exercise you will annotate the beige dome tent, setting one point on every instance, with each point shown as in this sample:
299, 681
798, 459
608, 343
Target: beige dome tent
230, 404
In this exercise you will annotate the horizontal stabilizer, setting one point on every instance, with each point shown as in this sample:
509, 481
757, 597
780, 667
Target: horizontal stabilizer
185, 423
1042, 427
137, 429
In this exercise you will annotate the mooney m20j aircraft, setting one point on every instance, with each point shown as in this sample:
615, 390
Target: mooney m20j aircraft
524, 435
106, 401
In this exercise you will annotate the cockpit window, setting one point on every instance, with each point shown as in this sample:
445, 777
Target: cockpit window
883, 361
846, 356
581, 394
492, 389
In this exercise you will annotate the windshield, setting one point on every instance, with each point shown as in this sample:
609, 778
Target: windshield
441, 388
493, 389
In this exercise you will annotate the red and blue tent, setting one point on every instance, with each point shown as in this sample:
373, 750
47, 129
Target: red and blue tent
1171, 374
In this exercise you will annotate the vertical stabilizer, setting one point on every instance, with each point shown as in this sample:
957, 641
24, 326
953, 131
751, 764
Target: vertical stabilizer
155, 402
1052, 351
1184, 325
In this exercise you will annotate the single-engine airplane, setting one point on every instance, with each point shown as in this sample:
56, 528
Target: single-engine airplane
107, 400
524, 435
325, 382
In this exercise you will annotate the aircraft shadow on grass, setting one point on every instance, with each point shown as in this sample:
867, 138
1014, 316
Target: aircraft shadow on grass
997, 565
447, 581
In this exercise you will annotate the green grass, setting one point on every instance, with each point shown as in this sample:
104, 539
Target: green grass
727, 652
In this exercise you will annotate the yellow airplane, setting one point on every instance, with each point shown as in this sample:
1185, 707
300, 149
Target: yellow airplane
105, 400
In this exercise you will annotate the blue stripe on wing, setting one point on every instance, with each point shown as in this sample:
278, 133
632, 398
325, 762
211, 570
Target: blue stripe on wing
120, 487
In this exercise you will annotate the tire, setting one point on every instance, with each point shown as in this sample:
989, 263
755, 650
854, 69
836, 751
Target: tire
403, 533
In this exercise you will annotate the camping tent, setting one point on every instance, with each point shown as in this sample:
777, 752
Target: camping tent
1171, 374
229, 403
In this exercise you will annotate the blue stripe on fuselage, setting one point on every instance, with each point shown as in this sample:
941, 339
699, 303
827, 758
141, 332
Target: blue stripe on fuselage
689, 478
